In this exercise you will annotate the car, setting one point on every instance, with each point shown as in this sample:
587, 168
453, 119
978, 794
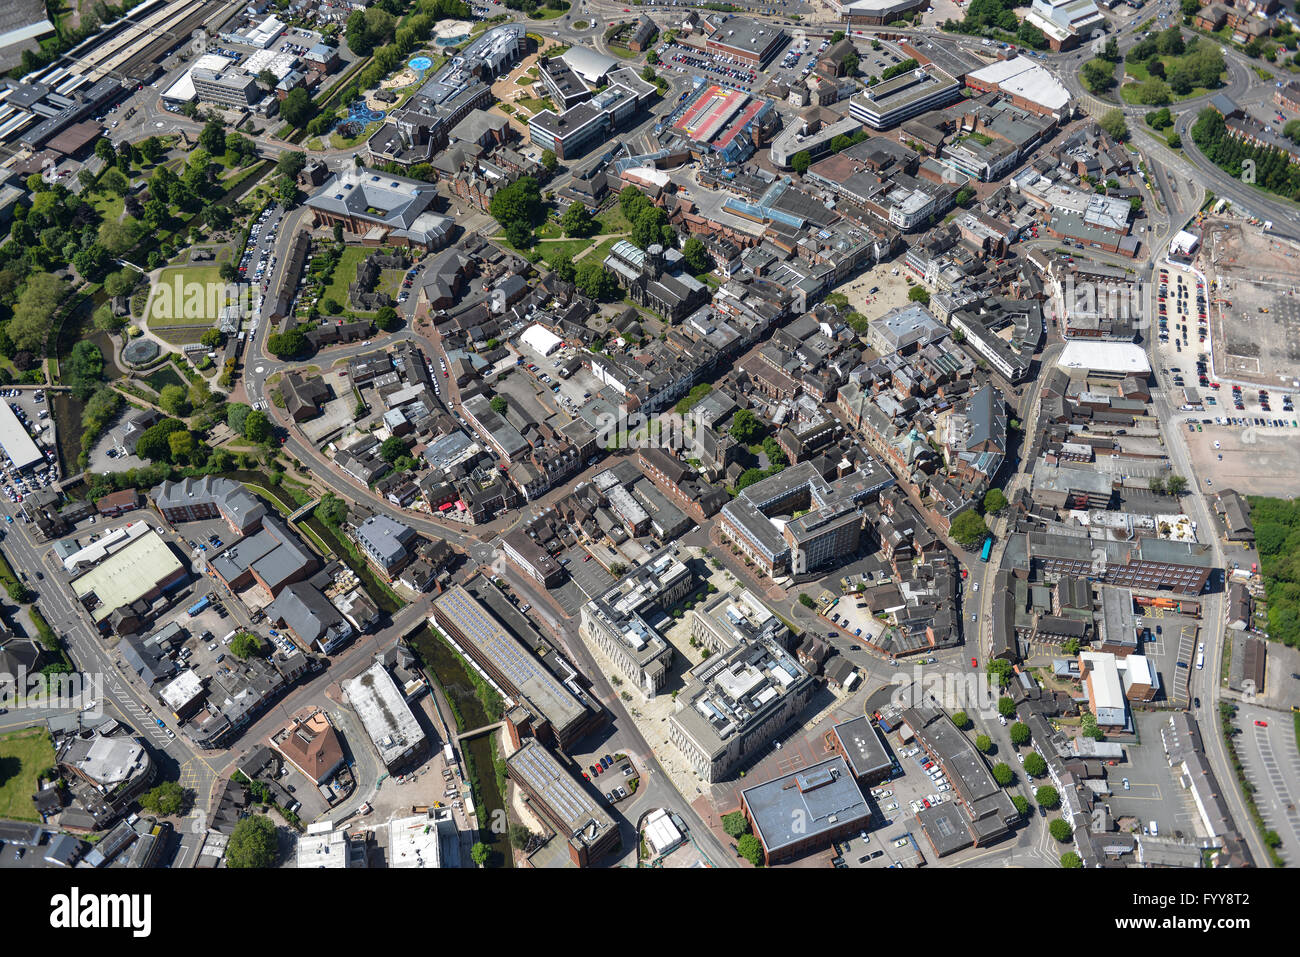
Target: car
606, 761
1126, 784
1261, 724
974, 663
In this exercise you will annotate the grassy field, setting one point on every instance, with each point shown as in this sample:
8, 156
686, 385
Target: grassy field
1138, 72
345, 273
193, 308
23, 756
164, 375
109, 204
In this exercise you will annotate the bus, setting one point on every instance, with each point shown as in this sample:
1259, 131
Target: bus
987, 550
199, 605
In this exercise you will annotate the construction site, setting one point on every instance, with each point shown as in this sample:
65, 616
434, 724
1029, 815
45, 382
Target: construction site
1254, 303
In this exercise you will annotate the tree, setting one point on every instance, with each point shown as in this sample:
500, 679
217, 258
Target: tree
1090, 728
153, 443
291, 164
1001, 668
750, 849
1112, 123
968, 528
332, 510
1003, 774
1031, 36
735, 824
577, 221
257, 427
960, 719
181, 446
114, 181
650, 227
1157, 485
1006, 707
1189, 7
213, 137
1169, 42
1071, 860
252, 843
697, 256
84, 369
919, 294
994, 501
392, 449
245, 645
267, 79
1176, 485
480, 853
385, 318
297, 107
166, 799
1097, 75
498, 405
850, 63
1019, 733
549, 162
564, 268
1060, 829
172, 400
236, 413
800, 162
287, 345
1035, 764
746, 427
595, 281
1070, 646
1021, 803
1110, 52
1047, 796
984, 743
519, 203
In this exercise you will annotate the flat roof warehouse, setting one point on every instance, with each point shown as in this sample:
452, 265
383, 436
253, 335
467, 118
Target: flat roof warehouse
16, 440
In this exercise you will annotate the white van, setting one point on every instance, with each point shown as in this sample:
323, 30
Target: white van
1155, 829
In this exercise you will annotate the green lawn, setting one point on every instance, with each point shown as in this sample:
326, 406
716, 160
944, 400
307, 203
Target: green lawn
108, 204
200, 300
345, 273
1138, 72
23, 756
546, 13
164, 375
535, 105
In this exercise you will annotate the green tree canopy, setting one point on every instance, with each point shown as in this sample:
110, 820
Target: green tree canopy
165, 799
1003, 774
750, 849
968, 528
1047, 796
1035, 764
1060, 829
984, 743
735, 824
252, 843
1019, 733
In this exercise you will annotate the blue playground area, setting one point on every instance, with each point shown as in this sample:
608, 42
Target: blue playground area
420, 64
358, 112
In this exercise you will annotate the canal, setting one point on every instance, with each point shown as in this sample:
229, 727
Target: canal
444, 666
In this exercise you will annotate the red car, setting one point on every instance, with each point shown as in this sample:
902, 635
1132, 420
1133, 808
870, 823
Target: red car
974, 663
587, 559
1261, 724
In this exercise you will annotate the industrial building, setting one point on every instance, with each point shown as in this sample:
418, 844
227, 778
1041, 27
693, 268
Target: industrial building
17, 441
805, 810
386, 716
554, 710
567, 804
120, 591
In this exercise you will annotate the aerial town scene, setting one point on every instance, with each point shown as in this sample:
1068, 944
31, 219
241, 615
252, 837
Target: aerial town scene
520, 434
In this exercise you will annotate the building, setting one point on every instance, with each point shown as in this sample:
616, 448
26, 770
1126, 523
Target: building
555, 711
139, 573
859, 744
736, 701
828, 530
565, 802
193, 500
118, 503
310, 743
273, 558
429, 839
876, 12
230, 87
717, 119
749, 41
310, 617
805, 810
902, 97
386, 716
625, 620
522, 549
381, 208
22, 27
386, 542
576, 130
17, 441
1029, 86
1065, 22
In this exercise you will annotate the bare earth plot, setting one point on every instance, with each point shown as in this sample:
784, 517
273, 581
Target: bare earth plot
1257, 337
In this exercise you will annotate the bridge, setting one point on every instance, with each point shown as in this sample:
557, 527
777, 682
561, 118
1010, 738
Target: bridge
304, 510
